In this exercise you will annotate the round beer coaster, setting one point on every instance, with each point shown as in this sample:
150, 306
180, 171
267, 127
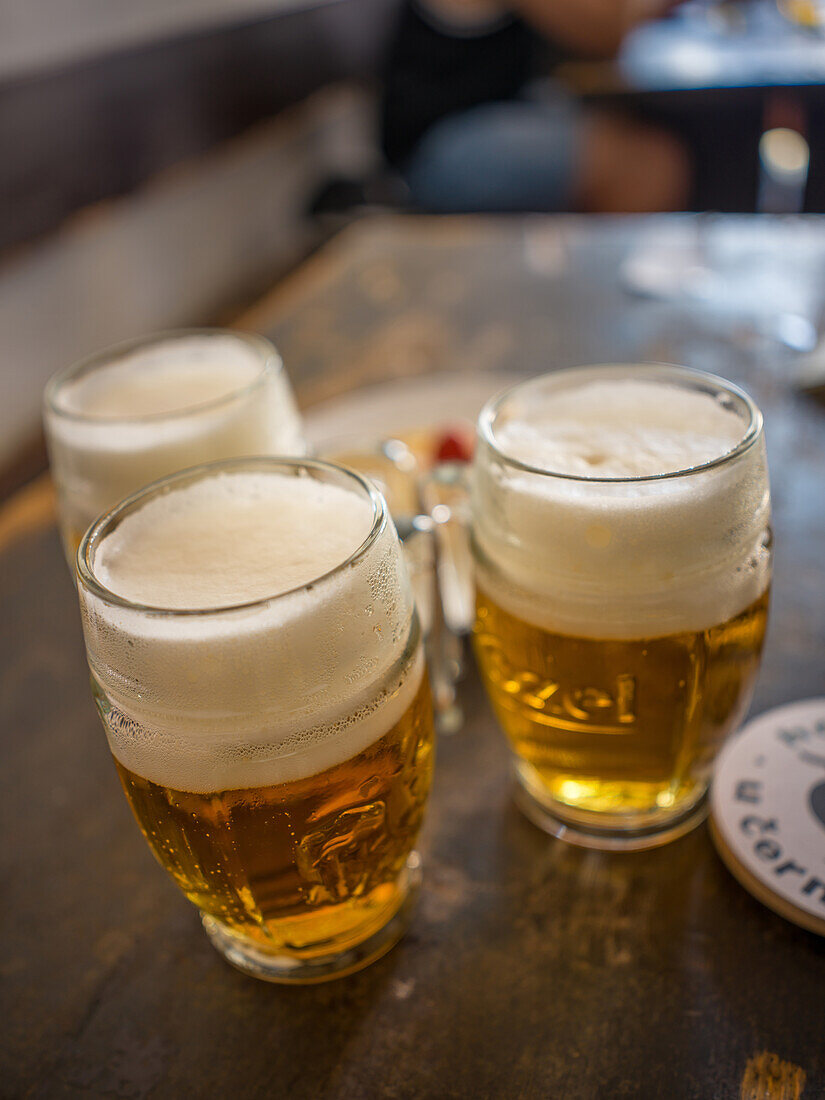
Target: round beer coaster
768, 811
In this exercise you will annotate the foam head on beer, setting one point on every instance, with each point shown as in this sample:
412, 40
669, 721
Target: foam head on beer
140, 413
278, 647
166, 377
617, 519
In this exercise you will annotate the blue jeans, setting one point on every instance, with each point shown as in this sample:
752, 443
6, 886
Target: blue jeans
519, 155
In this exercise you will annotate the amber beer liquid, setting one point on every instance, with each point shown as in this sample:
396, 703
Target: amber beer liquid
306, 867
136, 413
257, 665
621, 528
643, 739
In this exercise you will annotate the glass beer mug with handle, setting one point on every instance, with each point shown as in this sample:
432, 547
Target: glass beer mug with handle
622, 554
140, 411
256, 661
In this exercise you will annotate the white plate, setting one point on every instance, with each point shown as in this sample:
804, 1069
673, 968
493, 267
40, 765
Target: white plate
404, 404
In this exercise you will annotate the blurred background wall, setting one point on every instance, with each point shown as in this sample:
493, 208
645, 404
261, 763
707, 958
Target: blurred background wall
157, 165
163, 163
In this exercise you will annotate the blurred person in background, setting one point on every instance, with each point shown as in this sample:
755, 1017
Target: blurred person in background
471, 126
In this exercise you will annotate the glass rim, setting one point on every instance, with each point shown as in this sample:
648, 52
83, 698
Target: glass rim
107, 522
752, 431
271, 362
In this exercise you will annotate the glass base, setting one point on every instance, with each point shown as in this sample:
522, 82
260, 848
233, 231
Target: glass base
291, 970
550, 816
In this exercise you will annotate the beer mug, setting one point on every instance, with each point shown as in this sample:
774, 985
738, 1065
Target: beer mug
622, 553
257, 665
145, 409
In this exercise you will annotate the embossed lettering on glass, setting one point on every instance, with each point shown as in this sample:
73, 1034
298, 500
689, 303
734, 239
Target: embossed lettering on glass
140, 411
622, 553
257, 665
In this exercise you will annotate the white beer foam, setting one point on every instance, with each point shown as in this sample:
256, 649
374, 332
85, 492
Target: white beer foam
624, 559
175, 404
251, 696
231, 539
167, 377
622, 428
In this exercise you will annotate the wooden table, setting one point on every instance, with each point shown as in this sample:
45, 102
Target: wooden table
532, 969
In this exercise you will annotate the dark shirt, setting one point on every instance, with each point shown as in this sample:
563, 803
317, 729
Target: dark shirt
436, 69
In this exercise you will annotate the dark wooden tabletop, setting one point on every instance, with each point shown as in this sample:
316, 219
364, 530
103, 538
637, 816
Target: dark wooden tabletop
532, 969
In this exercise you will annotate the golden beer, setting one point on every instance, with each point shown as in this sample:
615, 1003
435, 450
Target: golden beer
622, 551
611, 726
257, 665
307, 867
